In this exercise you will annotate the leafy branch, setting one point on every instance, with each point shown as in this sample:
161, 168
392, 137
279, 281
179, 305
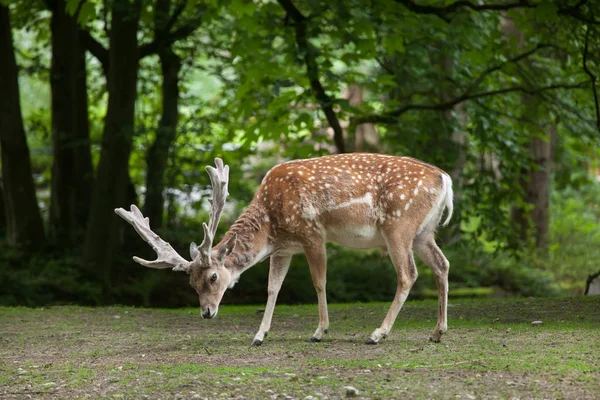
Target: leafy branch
447, 12
165, 39
499, 66
169, 37
592, 76
309, 54
394, 115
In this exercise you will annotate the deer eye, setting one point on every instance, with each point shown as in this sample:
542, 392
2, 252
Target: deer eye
213, 277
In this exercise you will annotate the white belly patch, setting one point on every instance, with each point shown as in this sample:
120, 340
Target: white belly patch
357, 237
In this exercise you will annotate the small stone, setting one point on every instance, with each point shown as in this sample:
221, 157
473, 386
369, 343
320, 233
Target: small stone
537, 323
351, 391
309, 397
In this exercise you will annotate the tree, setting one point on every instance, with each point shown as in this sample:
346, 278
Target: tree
72, 172
165, 135
23, 219
110, 186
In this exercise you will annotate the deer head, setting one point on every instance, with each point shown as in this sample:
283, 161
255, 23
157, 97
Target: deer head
207, 271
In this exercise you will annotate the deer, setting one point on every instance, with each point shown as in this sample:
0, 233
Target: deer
358, 200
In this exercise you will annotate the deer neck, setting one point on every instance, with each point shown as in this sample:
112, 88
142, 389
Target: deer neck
252, 245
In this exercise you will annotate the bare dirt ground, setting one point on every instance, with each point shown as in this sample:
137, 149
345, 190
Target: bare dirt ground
491, 351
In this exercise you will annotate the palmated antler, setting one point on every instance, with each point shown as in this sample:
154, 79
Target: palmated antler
167, 256
219, 177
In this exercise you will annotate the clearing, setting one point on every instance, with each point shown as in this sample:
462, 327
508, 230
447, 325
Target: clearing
491, 351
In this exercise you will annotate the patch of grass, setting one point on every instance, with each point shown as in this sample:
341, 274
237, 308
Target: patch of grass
491, 350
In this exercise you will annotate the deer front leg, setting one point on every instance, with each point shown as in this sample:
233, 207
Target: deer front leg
317, 262
277, 271
403, 260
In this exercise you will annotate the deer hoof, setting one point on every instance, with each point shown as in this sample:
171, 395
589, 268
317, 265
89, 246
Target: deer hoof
256, 342
435, 338
315, 339
370, 341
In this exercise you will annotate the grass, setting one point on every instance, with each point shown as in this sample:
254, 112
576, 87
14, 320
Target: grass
490, 351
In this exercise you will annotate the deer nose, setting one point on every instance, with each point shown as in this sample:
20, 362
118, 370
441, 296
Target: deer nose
206, 314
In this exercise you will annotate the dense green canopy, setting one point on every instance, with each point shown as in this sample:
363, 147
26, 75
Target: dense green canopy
125, 101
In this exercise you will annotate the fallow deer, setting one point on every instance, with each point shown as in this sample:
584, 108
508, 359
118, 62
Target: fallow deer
358, 200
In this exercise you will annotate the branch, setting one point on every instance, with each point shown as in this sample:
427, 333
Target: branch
392, 116
51, 4
312, 70
90, 44
105, 17
178, 10
495, 68
592, 76
589, 280
169, 38
96, 48
446, 12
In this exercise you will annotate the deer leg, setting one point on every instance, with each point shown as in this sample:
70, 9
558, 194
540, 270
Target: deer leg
317, 262
431, 254
277, 271
403, 260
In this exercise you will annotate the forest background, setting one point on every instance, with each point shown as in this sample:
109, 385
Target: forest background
105, 103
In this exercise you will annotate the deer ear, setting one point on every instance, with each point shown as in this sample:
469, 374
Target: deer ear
194, 252
228, 247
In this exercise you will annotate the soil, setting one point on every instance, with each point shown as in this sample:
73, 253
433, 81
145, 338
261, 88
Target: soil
491, 351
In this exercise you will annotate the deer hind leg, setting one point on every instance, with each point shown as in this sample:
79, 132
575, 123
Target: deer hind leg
431, 254
404, 262
317, 262
277, 271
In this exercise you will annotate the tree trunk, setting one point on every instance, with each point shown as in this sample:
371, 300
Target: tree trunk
72, 164
24, 222
2, 212
538, 189
458, 143
158, 153
110, 187
532, 221
366, 137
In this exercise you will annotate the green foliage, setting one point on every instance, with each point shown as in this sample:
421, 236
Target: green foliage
245, 96
54, 278
575, 237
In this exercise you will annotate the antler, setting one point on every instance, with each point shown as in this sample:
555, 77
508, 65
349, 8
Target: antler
167, 256
219, 177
